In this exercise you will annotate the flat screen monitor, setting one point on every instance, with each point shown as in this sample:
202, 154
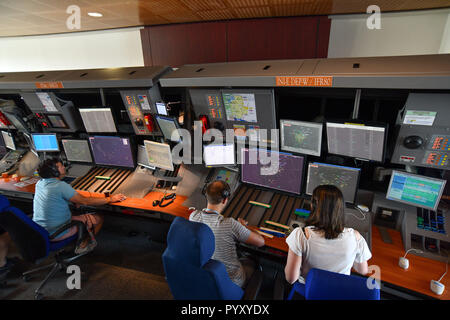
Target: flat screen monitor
159, 155
415, 190
45, 142
169, 127
161, 108
77, 150
8, 139
57, 121
345, 178
3, 149
356, 140
219, 155
98, 120
112, 151
301, 137
142, 158
284, 172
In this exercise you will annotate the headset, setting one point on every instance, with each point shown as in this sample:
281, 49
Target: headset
226, 193
48, 169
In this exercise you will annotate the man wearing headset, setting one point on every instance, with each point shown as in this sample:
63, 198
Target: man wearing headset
227, 232
51, 204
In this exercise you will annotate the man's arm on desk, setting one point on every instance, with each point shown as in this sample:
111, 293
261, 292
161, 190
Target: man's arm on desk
93, 201
254, 239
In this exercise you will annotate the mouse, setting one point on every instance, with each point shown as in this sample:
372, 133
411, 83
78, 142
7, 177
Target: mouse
363, 208
403, 263
413, 142
437, 287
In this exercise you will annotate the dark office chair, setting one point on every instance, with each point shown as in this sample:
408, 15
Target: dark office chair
34, 243
326, 285
190, 271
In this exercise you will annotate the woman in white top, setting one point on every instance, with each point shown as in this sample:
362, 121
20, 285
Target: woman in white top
324, 243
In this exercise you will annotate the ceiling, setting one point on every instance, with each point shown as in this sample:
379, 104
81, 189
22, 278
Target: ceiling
32, 17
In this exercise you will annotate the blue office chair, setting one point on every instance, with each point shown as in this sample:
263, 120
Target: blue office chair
190, 271
326, 285
34, 243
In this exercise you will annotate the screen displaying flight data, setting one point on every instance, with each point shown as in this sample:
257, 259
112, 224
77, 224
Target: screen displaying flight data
345, 178
77, 150
168, 127
45, 142
161, 108
272, 169
9, 141
159, 155
218, 155
98, 120
112, 151
415, 190
142, 158
356, 140
301, 137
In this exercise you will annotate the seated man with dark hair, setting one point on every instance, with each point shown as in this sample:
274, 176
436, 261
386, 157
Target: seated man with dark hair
227, 232
51, 204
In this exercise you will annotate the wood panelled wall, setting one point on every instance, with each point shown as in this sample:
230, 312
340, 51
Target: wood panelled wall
237, 40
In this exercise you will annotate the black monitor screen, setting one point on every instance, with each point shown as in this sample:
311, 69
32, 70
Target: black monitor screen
356, 140
345, 178
272, 169
112, 151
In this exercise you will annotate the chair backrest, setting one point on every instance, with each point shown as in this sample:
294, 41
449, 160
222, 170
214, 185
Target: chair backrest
326, 285
30, 238
190, 271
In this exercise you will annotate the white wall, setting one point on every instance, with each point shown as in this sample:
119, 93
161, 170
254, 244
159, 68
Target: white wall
402, 33
80, 50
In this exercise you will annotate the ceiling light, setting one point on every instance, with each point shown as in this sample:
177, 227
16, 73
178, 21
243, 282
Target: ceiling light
95, 14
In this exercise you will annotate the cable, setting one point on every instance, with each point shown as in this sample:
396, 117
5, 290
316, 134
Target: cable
446, 269
412, 249
363, 214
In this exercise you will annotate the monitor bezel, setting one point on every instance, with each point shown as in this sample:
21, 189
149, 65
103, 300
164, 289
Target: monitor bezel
335, 165
97, 108
273, 189
383, 125
45, 134
10, 135
173, 119
294, 150
173, 167
114, 165
419, 176
47, 115
220, 165
89, 148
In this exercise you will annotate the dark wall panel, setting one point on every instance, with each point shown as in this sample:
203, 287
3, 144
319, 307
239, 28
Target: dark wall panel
277, 38
180, 44
236, 40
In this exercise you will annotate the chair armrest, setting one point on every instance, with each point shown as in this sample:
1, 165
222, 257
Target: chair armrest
279, 287
254, 285
64, 228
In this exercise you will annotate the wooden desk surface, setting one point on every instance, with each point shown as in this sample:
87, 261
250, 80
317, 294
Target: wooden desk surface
416, 278
420, 272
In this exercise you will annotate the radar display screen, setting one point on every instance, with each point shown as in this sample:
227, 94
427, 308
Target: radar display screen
159, 155
345, 178
272, 169
301, 137
112, 151
356, 140
76, 150
415, 190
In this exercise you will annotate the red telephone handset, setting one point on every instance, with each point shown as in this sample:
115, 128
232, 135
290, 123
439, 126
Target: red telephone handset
205, 123
149, 122
4, 119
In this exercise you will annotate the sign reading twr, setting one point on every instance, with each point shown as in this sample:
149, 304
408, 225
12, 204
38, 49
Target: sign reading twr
323, 81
